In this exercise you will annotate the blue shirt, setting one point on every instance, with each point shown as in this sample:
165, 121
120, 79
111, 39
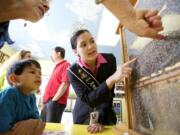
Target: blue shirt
15, 107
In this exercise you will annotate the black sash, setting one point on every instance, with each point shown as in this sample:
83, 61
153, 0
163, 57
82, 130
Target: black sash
85, 77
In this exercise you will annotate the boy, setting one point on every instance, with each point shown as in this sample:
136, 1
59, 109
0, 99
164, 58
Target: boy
19, 114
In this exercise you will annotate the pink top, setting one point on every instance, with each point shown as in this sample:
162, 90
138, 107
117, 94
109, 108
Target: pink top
100, 60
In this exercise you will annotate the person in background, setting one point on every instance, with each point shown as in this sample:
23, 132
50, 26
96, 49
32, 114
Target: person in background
145, 23
57, 89
31, 10
19, 114
93, 77
20, 55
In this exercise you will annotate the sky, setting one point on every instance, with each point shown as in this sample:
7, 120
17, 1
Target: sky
55, 29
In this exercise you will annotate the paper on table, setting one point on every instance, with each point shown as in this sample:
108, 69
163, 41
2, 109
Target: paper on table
55, 133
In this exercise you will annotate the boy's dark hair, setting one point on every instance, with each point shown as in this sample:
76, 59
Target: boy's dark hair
61, 50
18, 67
73, 39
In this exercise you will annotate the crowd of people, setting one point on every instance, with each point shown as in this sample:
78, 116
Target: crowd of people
92, 76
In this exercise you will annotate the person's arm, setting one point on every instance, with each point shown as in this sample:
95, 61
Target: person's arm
142, 22
91, 97
7, 133
62, 88
27, 127
121, 72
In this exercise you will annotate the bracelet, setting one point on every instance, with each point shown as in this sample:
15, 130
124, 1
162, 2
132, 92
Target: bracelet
99, 1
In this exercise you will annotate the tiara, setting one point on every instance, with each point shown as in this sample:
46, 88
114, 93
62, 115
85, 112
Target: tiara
76, 27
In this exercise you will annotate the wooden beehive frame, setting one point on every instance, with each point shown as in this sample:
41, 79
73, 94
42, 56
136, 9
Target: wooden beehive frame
169, 74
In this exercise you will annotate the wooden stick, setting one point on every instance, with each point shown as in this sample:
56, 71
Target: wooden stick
128, 96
